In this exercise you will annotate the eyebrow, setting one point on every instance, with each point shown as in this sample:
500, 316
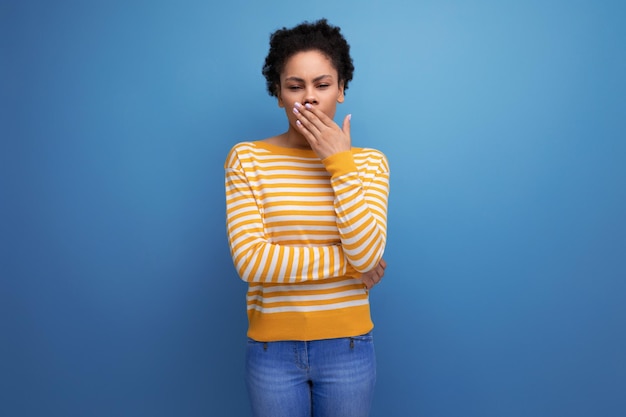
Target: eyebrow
298, 79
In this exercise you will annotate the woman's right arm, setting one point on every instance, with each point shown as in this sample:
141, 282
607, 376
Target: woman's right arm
256, 259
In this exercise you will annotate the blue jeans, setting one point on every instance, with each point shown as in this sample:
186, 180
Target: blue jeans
320, 378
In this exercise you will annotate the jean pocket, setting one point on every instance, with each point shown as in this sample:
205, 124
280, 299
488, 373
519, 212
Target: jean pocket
364, 340
256, 346
367, 337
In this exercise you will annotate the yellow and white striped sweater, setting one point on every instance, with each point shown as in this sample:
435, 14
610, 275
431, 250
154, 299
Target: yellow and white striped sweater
301, 232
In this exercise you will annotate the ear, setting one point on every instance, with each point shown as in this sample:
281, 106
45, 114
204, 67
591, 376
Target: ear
341, 96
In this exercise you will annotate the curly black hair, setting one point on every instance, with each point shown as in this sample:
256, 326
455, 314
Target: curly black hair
320, 36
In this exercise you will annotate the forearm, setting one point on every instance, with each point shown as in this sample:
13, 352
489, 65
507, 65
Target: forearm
257, 260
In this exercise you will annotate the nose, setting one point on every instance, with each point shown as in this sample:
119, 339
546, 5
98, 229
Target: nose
310, 97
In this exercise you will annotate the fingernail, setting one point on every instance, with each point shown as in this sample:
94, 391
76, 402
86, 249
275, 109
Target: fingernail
308, 106
350, 117
295, 110
297, 105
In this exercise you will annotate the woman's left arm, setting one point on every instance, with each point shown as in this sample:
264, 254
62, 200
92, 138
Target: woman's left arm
360, 182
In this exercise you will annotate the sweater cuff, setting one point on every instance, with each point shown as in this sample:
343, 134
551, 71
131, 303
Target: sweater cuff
340, 163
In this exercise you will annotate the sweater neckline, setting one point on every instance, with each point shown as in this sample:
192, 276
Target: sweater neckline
284, 150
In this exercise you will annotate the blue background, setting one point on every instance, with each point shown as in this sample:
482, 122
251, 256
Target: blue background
504, 124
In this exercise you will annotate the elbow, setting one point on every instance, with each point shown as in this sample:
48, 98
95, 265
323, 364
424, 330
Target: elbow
366, 263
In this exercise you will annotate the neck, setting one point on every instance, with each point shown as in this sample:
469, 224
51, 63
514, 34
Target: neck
294, 139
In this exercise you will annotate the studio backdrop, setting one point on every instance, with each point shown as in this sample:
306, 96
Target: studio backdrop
503, 123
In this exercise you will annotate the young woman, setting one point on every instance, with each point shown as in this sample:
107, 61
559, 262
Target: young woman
306, 220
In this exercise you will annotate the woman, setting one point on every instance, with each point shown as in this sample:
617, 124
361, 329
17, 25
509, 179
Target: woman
306, 220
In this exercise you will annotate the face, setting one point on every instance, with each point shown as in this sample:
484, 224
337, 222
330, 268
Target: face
309, 77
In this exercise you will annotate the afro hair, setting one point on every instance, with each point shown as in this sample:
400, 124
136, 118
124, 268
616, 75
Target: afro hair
320, 36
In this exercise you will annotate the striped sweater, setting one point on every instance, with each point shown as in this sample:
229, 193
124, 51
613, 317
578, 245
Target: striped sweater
301, 231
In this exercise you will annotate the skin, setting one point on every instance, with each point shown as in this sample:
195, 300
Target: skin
309, 91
